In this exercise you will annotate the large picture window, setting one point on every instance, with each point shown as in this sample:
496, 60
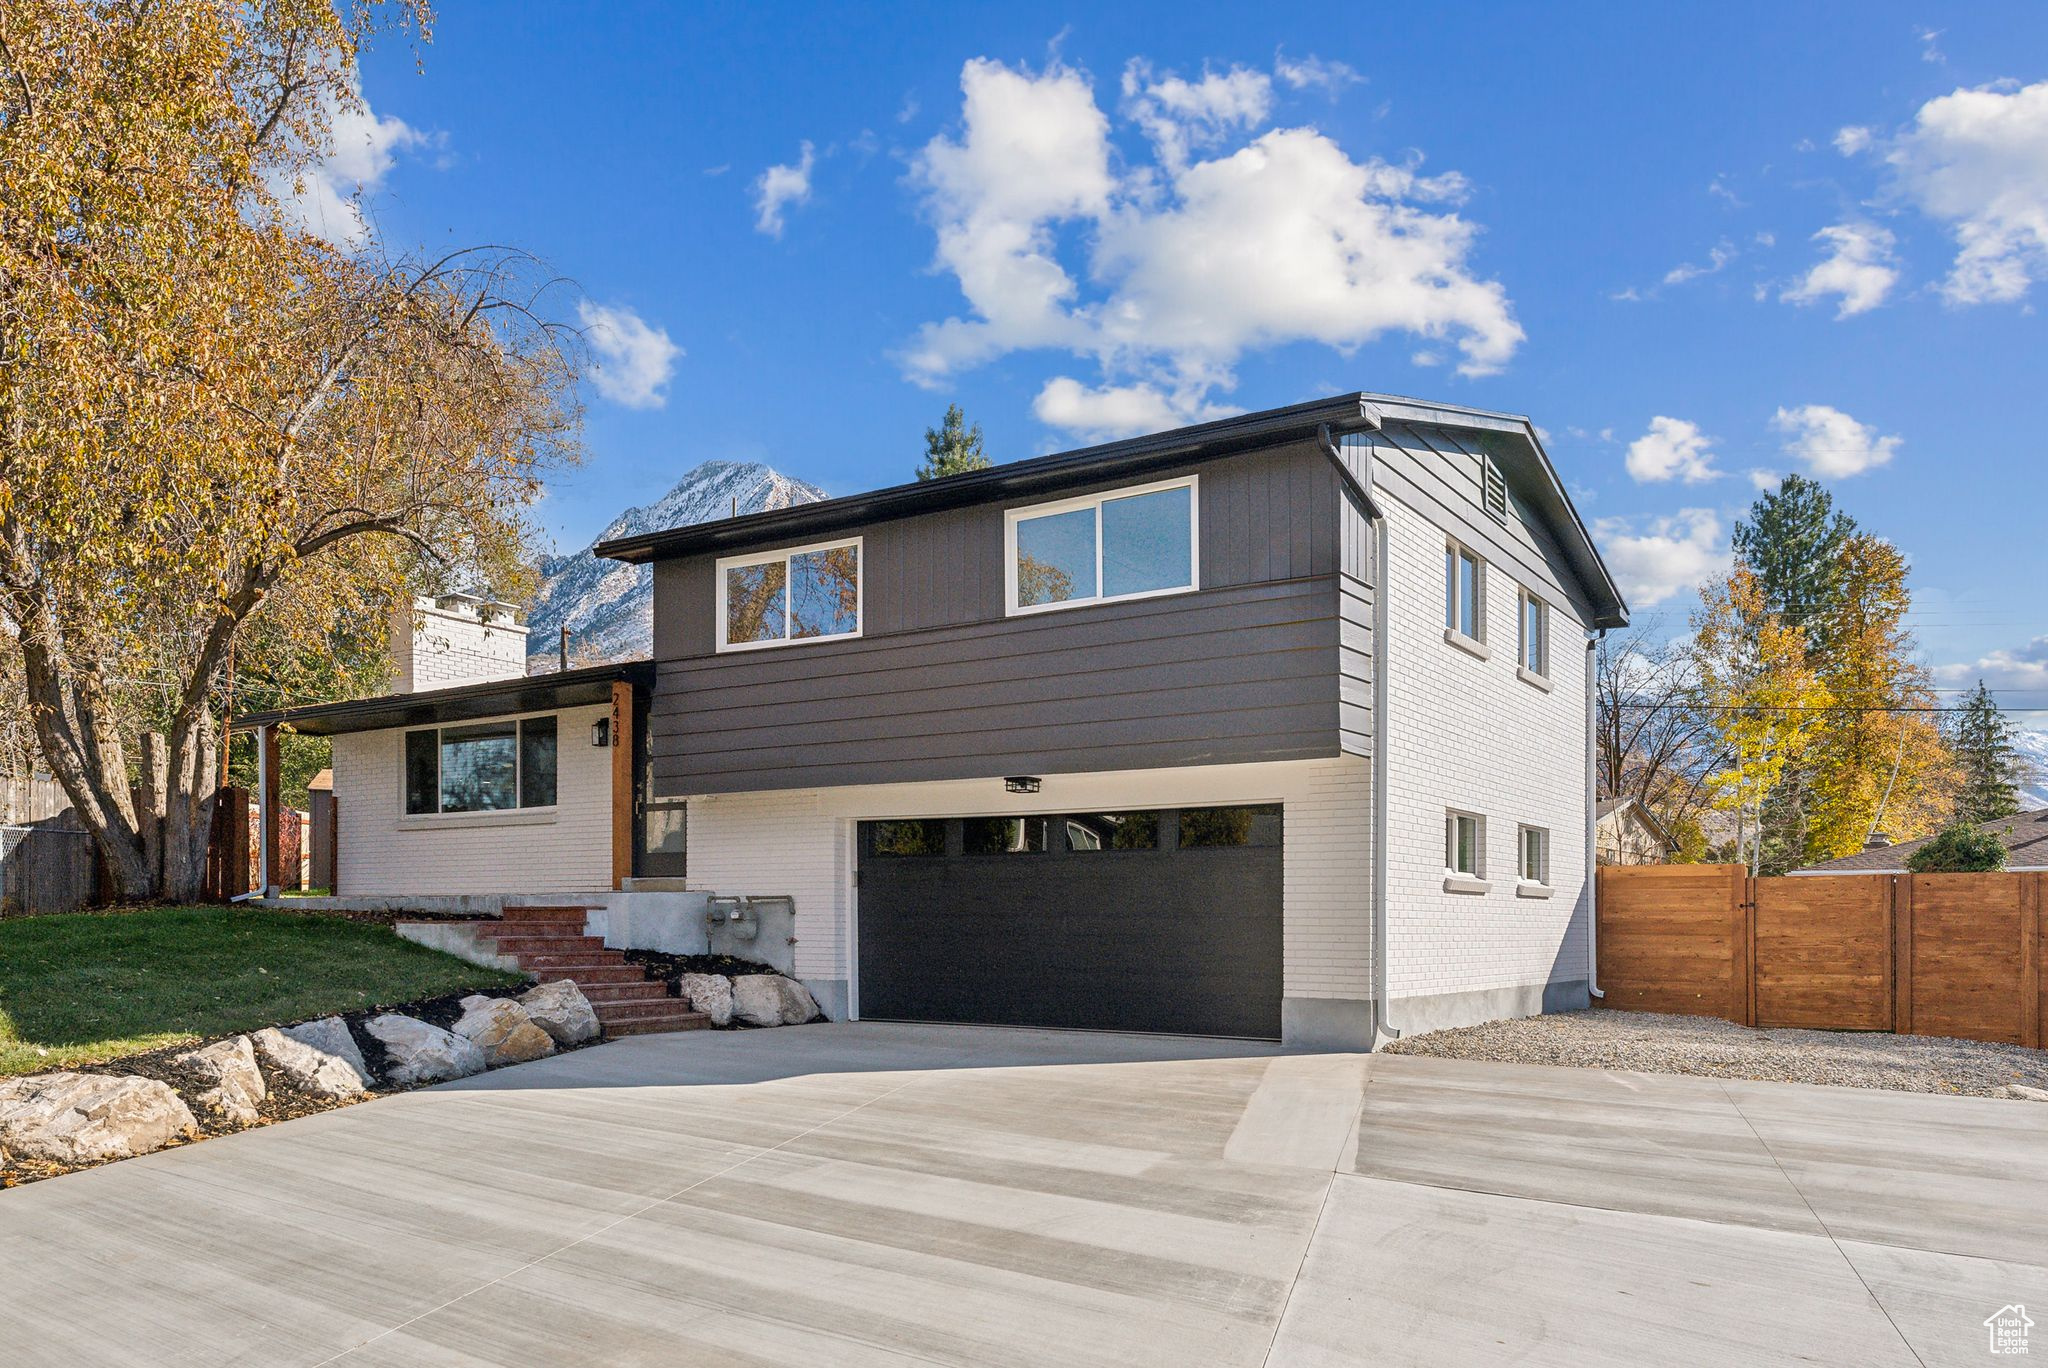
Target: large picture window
480, 767
1129, 543
807, 593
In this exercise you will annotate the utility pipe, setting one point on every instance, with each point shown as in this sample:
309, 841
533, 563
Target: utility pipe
1593, 815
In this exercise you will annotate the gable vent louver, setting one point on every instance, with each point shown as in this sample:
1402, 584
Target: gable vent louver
1495, 493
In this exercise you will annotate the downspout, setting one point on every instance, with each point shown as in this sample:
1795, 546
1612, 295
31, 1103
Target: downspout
1376, 524
1593, 817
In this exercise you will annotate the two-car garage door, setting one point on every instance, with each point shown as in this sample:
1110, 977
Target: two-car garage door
1156, 920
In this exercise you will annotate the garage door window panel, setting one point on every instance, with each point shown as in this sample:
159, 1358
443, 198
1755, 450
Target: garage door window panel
1219, 827
1089, 833
1005, 835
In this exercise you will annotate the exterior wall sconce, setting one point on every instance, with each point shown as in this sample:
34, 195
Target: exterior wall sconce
601, 732
1021, 783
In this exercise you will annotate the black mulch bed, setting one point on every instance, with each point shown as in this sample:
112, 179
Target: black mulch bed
283, 1102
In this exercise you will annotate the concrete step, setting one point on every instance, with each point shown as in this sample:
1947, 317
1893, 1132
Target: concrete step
678, 1021
586, 974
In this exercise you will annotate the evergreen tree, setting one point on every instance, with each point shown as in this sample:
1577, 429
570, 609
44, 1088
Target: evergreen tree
1793, 541
1992, 766
952, 448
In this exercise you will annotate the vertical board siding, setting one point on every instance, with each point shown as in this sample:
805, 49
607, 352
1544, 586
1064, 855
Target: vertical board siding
1956, 955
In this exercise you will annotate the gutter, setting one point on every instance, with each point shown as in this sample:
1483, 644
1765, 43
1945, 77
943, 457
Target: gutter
1376, 523
1593, 818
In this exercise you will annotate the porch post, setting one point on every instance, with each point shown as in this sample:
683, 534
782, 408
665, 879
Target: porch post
622, 782
269, 823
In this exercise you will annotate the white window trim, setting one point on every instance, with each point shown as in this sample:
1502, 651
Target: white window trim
1525, 886
519, 814
1014, 516
785, 554
1527, 673
1453, 635
1459, 880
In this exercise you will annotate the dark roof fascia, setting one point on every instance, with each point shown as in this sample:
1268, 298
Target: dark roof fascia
1041, 474
527, 693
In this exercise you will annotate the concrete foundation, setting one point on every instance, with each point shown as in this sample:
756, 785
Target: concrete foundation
1443, 1011
1326, 1023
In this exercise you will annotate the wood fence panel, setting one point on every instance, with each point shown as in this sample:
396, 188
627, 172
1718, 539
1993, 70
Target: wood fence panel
1965, 969
1673, 946
1824, 952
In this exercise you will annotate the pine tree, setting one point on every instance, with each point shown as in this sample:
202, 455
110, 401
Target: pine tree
1992, 766
1793, 541
952, 448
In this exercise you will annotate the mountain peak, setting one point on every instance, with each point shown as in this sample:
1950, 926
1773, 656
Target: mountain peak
608, 606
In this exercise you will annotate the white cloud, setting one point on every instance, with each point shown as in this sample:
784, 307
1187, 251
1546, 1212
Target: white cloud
1668, 557
1672, 449
1717, 257
2021, 668
1930, 50
1180, 115
632, 360
327, 198
781, 186
1977, 159
1853, 139
1829, 442
1313, 72
1858, 269
1763, 481
1183, 265
1107, 411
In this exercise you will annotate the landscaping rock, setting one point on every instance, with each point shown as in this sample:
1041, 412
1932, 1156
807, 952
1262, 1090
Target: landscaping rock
73, 1118
235, 1085
771, 1000
421, 1053
315, 1057
2025, 1093
710, 994
501, 1028
562, 1011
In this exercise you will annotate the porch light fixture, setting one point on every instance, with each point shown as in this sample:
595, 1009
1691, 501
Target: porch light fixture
1021, 783
601, 732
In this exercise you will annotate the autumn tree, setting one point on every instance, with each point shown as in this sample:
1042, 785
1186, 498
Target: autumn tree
210, 417
952, 448
1992, 767
1763, 697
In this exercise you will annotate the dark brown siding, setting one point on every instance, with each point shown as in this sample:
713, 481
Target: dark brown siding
943, 685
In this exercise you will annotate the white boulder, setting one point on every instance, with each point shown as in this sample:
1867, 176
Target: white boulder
421, 1053
318, 1057
771, 1000
560, 1009
74, 1118
2027, 1094
501, 1028
234, 1085
710, 994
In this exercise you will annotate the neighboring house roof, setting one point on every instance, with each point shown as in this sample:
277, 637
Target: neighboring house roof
2026, 847
523, 693
1517, 447
1607, 807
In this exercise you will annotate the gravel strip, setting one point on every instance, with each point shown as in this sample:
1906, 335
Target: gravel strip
1648, 1042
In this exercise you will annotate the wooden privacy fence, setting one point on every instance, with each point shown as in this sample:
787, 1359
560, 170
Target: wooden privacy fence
1926, 954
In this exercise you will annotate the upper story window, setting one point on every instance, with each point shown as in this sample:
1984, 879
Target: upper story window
806, 593
1535, 636
481, 767
1126, 544
1464, 583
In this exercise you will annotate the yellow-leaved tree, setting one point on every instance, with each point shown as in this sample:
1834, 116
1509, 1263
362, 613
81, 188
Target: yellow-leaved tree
209, 415
1761, 696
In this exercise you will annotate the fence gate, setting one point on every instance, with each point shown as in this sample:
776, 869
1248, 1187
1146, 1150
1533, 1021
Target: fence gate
1955, 955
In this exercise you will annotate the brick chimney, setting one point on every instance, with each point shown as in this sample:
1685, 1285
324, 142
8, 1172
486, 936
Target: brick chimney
438, 643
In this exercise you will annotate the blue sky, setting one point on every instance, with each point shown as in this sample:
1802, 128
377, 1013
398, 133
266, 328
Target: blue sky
1692, 243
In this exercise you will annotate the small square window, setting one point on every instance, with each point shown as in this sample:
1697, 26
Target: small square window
1464, 845
1533, 854
1535, 635
1462, 593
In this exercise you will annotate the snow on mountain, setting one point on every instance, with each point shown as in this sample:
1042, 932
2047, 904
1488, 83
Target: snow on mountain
2034, 746
608, 606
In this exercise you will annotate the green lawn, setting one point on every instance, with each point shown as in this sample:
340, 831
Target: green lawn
94, 986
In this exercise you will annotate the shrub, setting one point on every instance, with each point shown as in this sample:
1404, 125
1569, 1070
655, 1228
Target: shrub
1961, 849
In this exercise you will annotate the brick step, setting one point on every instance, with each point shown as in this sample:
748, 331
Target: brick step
643, 991
551, 912
678, 1021
586, 974
533, 926
548, 945
557, 959
609, 1012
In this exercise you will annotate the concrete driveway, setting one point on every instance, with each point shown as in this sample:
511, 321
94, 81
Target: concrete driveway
869, 1194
